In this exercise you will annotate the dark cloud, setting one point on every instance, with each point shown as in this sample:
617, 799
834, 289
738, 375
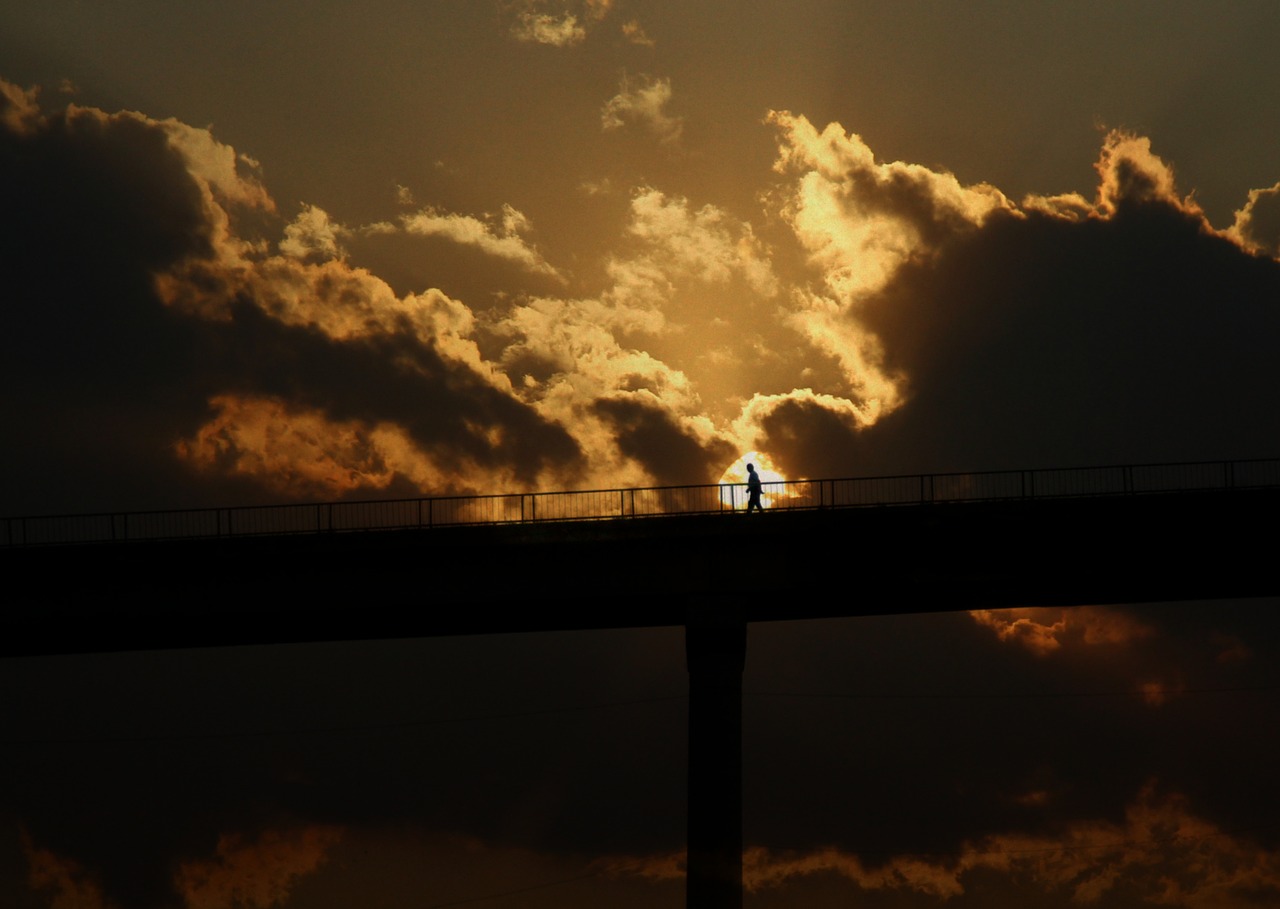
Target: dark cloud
961, 736
389, 376
892, 739
561, 742
650, 435
1039, 341
810, 438
93, 368
103, 379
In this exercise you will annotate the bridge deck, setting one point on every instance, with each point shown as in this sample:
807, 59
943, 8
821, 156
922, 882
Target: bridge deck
631, 573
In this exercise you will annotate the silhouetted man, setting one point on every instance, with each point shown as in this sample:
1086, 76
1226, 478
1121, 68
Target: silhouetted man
753, 489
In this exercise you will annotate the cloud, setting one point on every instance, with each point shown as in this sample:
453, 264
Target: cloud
1161, 852
1047, 630
706, 244
255, 874
860, 220
665, 444
1130, 174
313, 235
129, 231
885, 319
587, 362
555, 23
1257, 224
68, 884
19, 109
542, 28
636, 417
794, 426
829, 328
634, 32
1063, 331
301, 453
642, 101
502, 240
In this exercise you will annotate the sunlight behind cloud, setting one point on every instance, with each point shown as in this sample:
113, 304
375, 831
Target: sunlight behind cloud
734, 480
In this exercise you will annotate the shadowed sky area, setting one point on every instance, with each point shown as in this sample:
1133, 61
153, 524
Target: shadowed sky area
331, 250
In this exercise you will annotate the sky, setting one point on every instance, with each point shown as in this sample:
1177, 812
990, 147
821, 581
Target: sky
284, 252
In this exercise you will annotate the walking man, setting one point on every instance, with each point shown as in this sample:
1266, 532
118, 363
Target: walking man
753, 489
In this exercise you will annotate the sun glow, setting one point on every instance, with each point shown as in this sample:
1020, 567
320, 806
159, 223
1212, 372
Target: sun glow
734, 478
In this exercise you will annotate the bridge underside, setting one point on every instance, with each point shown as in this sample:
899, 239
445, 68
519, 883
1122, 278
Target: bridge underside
640, 572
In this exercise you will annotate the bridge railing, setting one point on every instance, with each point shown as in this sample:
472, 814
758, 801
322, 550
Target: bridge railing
603, 504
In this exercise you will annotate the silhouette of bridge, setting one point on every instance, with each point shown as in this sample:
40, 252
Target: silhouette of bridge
645, 557
636, 557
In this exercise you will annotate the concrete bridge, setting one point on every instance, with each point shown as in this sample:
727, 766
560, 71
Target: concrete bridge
1024, 538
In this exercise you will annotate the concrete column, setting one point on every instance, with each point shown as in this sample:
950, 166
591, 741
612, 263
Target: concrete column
715, 648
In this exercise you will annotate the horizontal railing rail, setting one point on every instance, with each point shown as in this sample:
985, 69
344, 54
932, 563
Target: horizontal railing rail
627, 503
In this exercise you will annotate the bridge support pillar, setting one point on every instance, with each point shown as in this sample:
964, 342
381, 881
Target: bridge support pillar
715, 649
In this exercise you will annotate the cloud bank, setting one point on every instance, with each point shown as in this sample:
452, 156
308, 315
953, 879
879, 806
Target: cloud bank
165, 316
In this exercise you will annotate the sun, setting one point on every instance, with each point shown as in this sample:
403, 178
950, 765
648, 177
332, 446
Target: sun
736, 474
737, 471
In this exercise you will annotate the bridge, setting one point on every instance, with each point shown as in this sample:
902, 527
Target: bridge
645, 557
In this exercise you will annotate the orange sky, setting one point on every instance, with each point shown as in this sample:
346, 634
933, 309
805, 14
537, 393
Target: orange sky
320, 252
315, 251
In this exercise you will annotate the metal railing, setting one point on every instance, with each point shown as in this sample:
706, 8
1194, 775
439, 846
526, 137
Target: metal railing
604, 504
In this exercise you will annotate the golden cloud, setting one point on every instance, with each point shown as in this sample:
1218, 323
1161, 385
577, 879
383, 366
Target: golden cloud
19, 109
860, 220
642, 100
503, 240
706, 244
1257, 225
554, 22
312, 234
299, 453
